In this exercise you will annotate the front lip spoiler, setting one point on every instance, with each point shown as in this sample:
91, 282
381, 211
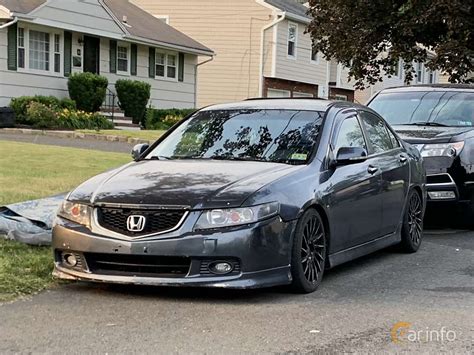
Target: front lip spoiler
264, 278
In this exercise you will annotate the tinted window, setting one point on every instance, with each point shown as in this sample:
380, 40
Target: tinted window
395, 142
449, 108
350, 134
377, 132
286, 136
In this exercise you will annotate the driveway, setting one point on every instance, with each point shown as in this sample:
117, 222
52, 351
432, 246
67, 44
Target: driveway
354, 310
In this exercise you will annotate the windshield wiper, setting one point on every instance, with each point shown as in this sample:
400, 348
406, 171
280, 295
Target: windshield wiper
432, 124
158, 157
231, 157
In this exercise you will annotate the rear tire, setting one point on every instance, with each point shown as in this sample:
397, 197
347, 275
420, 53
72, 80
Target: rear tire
412, 229
308, 257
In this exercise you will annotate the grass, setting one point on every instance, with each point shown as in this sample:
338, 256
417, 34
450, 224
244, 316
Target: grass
145, 134
30, 171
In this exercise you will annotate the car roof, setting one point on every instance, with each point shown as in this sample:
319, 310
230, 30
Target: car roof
429, 87
282, 104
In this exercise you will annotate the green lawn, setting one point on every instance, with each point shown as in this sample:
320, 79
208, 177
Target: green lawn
29, 171
145, 134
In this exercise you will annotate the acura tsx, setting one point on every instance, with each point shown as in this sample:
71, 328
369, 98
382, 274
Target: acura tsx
250, 194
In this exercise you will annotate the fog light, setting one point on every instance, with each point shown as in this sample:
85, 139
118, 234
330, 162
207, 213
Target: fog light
441, 195
70, 260
221, 268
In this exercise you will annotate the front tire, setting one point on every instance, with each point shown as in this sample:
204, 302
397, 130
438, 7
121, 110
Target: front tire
412, 229
308, 257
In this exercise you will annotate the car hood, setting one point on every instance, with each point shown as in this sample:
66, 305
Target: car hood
429, 134
191, 183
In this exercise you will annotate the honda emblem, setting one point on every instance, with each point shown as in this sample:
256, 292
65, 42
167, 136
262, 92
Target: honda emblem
136, 223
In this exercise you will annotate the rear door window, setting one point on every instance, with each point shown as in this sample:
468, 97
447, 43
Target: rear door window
377, 133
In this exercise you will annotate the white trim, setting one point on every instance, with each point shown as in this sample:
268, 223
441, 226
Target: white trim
275, 48
419, 79
295, 47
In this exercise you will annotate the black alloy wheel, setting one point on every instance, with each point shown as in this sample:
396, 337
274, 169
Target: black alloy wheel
412, 230
309, 252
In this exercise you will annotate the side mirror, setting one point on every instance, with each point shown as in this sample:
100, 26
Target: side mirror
138, 150
350, 155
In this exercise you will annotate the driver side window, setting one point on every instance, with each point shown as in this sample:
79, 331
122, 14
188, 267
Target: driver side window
350, 135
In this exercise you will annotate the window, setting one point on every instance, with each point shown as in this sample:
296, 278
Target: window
340, 97
377, 133
39, 50
122, 59
292, 36
166, 65
171, 67
278, 93
57, 53
21, 47
431, 76
350, 135
314, 55
419, 72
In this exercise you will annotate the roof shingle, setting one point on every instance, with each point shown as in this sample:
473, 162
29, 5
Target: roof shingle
290, 6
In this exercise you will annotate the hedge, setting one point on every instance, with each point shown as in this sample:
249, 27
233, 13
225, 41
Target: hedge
164, 119
20, 105
88, 90
133, 96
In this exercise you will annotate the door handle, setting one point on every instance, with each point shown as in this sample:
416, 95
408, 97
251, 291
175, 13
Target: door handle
372, 169
403, 158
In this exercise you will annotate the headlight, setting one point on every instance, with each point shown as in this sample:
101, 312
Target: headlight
219, 218
441, 150
75, 212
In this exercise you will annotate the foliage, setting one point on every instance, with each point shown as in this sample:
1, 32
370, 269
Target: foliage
164, 119
88, 90
133, 96
20, 105
369, 37
41, 116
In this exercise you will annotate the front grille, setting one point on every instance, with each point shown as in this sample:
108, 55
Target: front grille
156, 221
138, 265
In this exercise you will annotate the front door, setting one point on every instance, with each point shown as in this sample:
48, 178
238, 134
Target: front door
355, 198
91, 54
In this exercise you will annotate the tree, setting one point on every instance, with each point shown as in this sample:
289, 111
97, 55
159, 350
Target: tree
370, 36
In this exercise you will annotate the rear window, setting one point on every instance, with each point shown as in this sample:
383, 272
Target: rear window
450, 108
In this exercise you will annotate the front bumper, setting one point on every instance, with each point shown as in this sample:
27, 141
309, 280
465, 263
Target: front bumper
260, 254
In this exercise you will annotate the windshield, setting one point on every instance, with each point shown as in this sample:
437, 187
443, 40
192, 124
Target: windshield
449, 108
283, 136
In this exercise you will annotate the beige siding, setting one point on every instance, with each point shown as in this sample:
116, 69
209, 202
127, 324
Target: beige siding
232, 29
301, 68
165, 94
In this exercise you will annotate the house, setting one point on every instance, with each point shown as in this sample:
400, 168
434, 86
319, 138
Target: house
423, 75
261, 45
43, 41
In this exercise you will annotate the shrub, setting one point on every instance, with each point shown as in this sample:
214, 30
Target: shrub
20, 105
133, 96
41, 116
164, 119
87, 90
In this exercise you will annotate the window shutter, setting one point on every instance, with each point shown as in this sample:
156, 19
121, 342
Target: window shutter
151, 62
113, 57
12, 46
67, 53
181, 67
133, 59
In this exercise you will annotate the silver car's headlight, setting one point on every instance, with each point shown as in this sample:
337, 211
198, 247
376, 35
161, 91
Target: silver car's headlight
219, 218
441, 150
76, 212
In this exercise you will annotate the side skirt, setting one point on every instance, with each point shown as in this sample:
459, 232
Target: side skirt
364, 249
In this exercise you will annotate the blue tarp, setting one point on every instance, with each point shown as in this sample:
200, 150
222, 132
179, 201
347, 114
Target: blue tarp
30, 222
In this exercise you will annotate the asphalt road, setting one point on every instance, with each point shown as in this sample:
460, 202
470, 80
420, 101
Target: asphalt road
354, 310
118, 147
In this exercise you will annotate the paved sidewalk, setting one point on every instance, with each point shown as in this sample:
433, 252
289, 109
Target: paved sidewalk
119, 147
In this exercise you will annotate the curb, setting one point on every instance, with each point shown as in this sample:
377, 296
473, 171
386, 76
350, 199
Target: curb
77, 135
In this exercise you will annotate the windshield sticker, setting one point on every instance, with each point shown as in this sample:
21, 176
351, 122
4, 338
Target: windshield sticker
299, 156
